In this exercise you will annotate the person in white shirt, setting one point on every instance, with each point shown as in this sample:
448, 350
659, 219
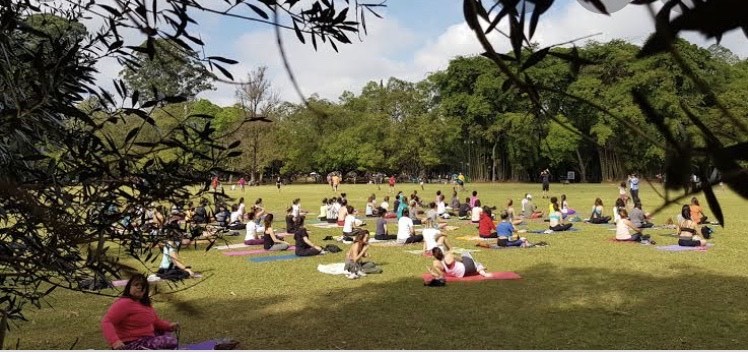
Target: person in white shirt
241, 209
386, 204
252, 237
234, 219
441, 208
476, 211
405, 231
433, 237
332, 211
524, 202
349, 223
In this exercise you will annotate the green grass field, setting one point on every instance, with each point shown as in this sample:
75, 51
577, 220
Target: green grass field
582, 292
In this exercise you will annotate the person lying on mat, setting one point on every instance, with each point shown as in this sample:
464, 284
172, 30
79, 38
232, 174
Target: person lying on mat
597, 213
556, 219
433, 237
271, 242
381, 231
486, 227
444, 264
623, 227
689, 234
304, 246
405, 231
131, 323
354, 263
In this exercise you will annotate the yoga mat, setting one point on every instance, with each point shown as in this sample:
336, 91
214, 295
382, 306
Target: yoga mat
122, 283
471, 237
231, 246
387, 243
676, 247
543, 231
206, 345
332, 269
498, 275
614, 240
273, 258
451, 228
454, 250
325, 225
251, 252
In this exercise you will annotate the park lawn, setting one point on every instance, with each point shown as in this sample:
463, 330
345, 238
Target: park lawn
581, 292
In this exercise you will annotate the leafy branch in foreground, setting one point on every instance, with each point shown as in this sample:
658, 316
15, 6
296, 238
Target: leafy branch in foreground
73, 190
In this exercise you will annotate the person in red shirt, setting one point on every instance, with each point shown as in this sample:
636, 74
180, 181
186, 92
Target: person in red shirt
392, 183
131, 322
486, 227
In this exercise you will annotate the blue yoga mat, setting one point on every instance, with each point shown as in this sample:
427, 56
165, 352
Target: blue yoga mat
273, 258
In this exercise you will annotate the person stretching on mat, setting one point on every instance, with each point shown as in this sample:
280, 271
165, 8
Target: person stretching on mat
689, 234
131, 323
271, 242
304, 246
444, 264
476, 212
697, 214
433, 237
623, 226
556, 220
354, 263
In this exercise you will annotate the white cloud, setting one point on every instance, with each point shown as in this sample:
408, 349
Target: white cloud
392, 49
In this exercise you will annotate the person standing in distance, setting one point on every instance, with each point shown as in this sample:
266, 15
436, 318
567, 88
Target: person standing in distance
633, 181
545, 177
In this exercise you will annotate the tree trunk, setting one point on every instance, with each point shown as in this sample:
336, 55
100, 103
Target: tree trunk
3, 329
582, 167
493, 161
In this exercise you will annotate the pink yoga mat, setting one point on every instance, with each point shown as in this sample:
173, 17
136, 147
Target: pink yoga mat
251, 252
497, 275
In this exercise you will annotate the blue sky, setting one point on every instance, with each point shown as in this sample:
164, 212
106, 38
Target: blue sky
415, 38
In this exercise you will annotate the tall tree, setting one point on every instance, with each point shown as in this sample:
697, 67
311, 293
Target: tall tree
170, 70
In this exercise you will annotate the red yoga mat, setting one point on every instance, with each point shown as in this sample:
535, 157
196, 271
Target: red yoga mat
497, 275
251, 252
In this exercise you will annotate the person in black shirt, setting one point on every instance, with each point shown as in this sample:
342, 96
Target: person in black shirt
304, 246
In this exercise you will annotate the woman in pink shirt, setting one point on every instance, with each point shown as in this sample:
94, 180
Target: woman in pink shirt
131, 322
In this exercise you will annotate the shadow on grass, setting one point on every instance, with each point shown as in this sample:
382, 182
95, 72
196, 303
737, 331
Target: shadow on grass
550, 308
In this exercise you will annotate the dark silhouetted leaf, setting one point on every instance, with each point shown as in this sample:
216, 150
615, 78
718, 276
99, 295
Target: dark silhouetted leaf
535, 58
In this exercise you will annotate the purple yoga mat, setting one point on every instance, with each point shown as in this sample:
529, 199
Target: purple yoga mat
206, 345
676, 247
251, 252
